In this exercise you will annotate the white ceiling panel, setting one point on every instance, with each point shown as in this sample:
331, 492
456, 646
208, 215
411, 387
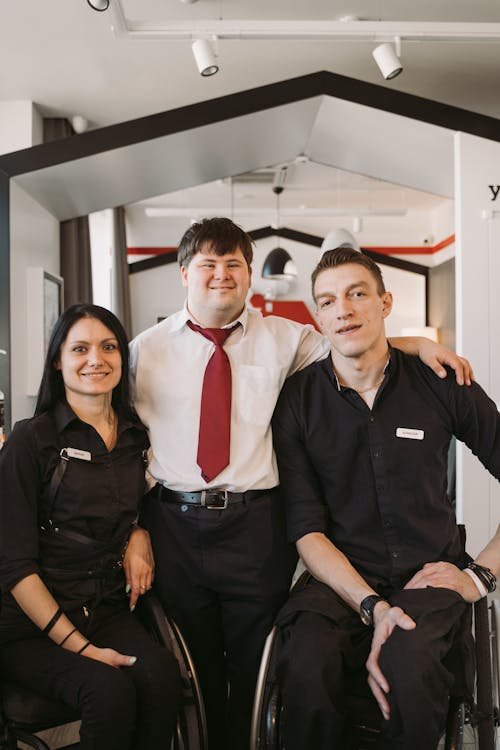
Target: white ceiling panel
383, 145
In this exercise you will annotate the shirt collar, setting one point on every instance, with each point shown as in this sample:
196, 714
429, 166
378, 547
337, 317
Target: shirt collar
184, 315
329, 365
64, 415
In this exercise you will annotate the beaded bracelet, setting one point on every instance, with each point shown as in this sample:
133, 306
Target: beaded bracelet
53, 621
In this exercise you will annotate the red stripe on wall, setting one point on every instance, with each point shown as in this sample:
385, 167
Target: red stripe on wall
389, 250
150, 250
411, 250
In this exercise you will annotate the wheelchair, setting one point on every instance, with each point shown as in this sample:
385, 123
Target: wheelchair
363, 713
25, 713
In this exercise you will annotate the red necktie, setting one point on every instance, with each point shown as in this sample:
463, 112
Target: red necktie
215, 413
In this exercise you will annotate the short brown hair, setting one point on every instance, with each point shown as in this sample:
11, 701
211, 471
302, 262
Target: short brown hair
340, 256
218, 235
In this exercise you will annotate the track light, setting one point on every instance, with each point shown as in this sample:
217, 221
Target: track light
99, 4
387, 59
79, 123
205, 57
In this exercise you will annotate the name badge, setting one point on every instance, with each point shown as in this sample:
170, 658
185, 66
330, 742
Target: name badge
77, 453
409, 433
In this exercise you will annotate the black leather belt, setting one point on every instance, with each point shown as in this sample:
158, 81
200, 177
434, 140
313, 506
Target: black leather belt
212, 499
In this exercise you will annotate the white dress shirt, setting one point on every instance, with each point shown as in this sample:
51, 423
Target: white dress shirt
168, 363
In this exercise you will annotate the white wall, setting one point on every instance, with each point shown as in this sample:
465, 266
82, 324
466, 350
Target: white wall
34, 242
158, 292
155, 293
101, 232
478, 314
20, 126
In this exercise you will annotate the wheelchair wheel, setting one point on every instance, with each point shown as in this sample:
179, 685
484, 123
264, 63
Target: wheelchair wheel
264, 732
191, 731
495, 663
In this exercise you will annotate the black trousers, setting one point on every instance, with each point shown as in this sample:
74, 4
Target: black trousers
223, 575
121, 709
322, 659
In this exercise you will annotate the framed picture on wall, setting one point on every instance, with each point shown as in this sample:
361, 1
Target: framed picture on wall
52, 305
44, 305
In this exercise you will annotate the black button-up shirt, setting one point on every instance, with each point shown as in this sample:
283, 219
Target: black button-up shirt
374, 481
97, 500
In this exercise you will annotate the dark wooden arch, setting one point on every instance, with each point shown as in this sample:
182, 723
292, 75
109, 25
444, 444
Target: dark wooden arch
204, 113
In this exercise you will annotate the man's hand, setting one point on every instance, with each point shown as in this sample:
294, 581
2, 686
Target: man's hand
436, 355
386, 619
139, 565
445, 575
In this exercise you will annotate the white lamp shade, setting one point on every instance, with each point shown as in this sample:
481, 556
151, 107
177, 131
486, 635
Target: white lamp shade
204, 56
387, 60
339, 238
99, 4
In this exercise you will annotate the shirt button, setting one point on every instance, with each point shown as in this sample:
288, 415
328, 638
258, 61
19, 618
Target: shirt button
395, 555
387, 524
372, 419
376, 454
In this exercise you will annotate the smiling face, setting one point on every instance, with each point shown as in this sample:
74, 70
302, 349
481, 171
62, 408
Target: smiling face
217, 286
351, 311
90, 361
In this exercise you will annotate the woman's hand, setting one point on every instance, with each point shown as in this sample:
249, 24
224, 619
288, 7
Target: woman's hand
138, 564
109, 656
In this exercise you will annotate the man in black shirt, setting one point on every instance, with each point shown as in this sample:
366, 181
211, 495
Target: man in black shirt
362, 441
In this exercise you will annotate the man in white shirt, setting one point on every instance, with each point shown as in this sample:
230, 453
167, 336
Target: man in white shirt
222, 560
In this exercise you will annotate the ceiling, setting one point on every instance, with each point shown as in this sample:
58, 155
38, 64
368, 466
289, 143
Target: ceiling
64, 56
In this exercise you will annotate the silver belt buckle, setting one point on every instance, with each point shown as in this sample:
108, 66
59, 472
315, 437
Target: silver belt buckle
214, 499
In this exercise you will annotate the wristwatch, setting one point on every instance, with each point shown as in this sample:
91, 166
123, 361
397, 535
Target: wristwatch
367, 606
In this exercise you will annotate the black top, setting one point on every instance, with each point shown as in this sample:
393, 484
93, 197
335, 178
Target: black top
78, 554
374, 481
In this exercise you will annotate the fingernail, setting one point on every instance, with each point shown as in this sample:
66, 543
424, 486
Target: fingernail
132, 607
127, 588
132, 660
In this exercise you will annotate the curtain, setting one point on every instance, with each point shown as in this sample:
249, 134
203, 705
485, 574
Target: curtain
120, 284
75, 260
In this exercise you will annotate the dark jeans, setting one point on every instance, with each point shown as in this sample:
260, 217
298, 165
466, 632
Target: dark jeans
322, 658
121, 709
223, 575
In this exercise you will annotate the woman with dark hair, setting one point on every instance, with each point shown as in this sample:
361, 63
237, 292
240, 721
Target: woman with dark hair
71, 481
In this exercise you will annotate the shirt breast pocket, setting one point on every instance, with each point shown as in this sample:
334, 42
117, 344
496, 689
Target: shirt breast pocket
257, 390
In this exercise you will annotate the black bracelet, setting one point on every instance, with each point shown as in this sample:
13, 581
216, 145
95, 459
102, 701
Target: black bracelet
69, 634
82, 649
487, 578
53, 621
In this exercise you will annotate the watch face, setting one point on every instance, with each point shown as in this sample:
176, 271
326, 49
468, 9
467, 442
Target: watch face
366, 616
366, 608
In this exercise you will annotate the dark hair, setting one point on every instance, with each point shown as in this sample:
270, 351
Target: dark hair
340, 256
52, 385
218, 235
